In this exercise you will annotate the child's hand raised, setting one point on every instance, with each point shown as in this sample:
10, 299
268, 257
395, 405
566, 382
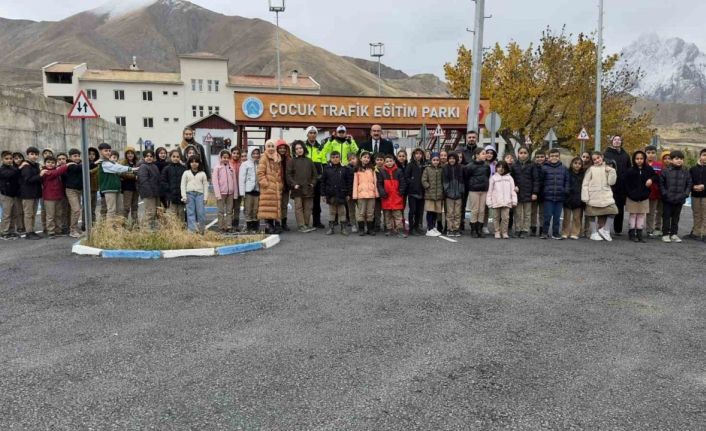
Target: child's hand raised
648, 183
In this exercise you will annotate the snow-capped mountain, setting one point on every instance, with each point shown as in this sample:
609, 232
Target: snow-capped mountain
674, 70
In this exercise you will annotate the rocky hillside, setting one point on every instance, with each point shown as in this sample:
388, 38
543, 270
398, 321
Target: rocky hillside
157, 31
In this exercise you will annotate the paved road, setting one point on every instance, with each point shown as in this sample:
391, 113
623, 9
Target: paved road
361, 333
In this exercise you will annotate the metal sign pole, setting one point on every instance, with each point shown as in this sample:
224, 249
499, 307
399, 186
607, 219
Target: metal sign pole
85, 171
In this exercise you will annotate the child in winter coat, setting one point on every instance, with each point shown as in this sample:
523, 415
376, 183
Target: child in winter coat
194, 193
301, 177
235, 162
128, 186
638, 186
573, 205
149, 186
597, 193
171, 183
30, 190
526, 178
698, 196
248, 185
675, 186
9, 187
415, 191
432, 181
225, 188
555, 185
52, 192
654, 217
537, 215
378, 215
501, 197
364, 192
477, 177
391, 185
454, 190
351, 217
336, 188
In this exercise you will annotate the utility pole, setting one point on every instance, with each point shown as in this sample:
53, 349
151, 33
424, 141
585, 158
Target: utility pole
599, 78
474, 90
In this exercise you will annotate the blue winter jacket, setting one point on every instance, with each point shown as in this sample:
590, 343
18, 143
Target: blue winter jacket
555, 182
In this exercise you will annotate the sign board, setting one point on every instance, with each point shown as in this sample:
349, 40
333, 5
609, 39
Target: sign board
208, 139
551, 136
439, 132
493, 123
583, 135
149, 145
528, 141
277, 109
82, 108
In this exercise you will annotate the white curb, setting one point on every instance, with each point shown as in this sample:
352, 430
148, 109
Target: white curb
201, 252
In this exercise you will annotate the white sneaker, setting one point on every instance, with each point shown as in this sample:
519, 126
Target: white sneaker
596, 237
574, 237
431, 233
675, 238
486, 231
666, 239
605, 234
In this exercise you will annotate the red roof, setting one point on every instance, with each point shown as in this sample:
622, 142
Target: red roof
213, 121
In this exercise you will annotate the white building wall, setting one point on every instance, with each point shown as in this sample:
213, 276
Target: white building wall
135, 109
202, 71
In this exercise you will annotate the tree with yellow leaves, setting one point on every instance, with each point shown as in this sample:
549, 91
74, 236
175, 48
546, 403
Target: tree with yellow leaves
554, 86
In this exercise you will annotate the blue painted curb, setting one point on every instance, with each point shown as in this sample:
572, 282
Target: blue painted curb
131, 254
238, 248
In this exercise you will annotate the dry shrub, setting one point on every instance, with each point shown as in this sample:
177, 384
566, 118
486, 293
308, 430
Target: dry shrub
170, 234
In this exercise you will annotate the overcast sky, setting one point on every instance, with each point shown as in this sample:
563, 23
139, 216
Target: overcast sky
420, 35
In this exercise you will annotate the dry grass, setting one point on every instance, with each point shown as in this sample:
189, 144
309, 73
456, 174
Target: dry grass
170, 235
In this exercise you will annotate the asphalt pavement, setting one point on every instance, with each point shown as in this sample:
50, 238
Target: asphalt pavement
331, 333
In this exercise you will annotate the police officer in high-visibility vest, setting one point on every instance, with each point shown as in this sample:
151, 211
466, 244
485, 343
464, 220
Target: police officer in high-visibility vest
314, 151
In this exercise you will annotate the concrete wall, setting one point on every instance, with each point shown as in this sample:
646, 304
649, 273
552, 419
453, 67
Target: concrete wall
30, 119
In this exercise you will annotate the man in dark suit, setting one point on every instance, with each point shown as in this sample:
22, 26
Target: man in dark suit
377, 144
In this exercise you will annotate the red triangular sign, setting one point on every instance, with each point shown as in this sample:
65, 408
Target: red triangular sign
82, 107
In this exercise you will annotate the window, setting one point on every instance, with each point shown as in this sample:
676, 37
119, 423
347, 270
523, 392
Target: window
148, 123
218, 110
201, 111
215, 85
120, 121
119, 94
193, 110
175, 93
165, 93
92, 94
200, 84
193, 85
176, 120
147, 96
166, 120
210, 110
210, 85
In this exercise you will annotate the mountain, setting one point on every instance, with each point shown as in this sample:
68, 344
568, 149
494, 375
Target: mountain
673, 69
157, 31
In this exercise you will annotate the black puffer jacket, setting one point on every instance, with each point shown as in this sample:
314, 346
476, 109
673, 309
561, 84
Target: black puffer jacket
526, 179
675, 185
336, 184
148, 180
698, 177
635, 179
413, 178
30, 181
476, 176
73, 179
622, 165
171, 181
454, 186
9, 181
573, 198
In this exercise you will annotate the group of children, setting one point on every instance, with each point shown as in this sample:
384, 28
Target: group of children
366, 193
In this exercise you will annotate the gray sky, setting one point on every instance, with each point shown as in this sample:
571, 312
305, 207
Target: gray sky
421, 35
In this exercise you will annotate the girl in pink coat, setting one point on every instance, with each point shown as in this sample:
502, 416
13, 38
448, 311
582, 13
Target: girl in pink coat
502, 197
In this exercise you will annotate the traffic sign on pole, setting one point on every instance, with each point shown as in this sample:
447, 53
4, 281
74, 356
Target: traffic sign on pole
551, 138
583, 135
439, 134
82, 108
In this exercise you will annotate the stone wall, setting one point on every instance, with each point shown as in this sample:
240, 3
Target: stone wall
30, 119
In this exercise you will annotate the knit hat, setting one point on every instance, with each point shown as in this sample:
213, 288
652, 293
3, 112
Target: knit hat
666, 153
435, 154
490, 148
281, 142
129, 149
312, 129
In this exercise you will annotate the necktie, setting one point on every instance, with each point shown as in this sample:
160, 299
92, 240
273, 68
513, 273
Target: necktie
375, 148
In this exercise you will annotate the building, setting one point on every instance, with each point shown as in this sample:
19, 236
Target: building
155, 107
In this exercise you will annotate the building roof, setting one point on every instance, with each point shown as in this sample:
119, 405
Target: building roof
121, 75
213, 121
62, 67
203, 56
303, 81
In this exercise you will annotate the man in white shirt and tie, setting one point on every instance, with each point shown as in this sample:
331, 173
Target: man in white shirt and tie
377, 144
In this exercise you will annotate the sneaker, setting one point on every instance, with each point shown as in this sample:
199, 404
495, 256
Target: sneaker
558, 238
75, 235
432, 233
485, 230
6, 237
675, 238
497, 235
33, 236
666, 238
596, 237
402, 234
657, 233
51, 236
543, 236
605, 234
506, 236
574, 237
302, 229
564, 237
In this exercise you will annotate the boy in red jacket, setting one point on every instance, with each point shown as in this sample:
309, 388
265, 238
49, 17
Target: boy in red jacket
53, 193
391, 187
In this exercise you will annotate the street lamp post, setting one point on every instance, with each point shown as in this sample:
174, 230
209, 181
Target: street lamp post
599, 78
378, 50
477, 64
277, 6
